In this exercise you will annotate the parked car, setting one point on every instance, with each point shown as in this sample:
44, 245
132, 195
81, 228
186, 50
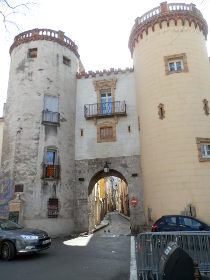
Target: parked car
17, 240
179, 223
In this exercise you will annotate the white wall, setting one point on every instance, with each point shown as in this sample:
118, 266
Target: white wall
126, 144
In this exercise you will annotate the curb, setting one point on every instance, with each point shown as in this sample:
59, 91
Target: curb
100, 227
124, 216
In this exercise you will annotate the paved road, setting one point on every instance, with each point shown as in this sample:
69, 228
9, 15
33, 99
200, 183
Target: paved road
105, 255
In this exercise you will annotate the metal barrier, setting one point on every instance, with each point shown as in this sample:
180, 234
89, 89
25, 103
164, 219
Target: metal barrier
150, 246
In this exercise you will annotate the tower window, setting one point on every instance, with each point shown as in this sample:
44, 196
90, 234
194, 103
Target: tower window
203, 145
32, 53
66, 61
176, 63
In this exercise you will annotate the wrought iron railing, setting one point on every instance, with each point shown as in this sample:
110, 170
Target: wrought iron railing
105, 109
49, 117
51, 171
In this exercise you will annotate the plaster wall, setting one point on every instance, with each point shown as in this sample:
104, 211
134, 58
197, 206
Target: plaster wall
87, 146
1, 136
26, 138
173, 177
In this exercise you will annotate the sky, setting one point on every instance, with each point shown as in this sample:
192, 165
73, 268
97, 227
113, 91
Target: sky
99, 28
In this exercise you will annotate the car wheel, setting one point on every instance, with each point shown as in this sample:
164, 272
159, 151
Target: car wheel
7, 250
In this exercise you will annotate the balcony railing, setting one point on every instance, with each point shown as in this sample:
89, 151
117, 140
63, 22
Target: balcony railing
105, 109
49, 117
51, 171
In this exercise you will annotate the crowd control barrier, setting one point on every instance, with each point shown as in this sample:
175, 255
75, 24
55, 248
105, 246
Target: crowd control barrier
151, 245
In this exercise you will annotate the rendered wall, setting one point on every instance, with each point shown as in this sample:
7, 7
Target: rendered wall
87, 146
173, 177
25, 137
1, 136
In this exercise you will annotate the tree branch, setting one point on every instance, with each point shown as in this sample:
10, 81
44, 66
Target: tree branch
7, 10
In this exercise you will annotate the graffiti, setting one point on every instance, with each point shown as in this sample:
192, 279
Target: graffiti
5, 194
5, 189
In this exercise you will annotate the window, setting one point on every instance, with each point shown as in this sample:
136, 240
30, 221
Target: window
105, 90
188, 222
205, 150
106, 132
176, 63
203, 145
66, 61
51, 167
170, 220
161, 111
206, 106
32, 53
50, 112
105, 101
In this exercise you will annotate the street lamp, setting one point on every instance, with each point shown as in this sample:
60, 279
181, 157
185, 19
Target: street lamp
106, 167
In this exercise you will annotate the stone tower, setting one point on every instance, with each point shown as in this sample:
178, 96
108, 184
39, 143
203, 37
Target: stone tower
172, 77
39, 132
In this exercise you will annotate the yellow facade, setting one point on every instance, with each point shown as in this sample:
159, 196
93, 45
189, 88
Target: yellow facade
1, 135
173, 176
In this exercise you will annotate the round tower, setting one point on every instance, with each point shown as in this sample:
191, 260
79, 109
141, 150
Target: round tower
172, 78
39, 135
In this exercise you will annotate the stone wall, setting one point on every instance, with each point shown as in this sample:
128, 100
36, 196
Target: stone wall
89, 171
26, 138
1, 136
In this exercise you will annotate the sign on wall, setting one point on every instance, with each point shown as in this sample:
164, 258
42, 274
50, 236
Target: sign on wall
53, 208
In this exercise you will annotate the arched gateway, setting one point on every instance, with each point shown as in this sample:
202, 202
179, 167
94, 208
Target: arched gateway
125, 168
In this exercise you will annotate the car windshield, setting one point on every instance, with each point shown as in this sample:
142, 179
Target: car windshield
9, 225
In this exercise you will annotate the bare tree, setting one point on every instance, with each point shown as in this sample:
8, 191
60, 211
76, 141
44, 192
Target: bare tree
10, 8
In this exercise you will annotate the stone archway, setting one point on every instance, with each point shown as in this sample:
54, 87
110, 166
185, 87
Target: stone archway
93, 202
89, 171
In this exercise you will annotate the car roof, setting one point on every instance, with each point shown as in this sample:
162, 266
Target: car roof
185, 216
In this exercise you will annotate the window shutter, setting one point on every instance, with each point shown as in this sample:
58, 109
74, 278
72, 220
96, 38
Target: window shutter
51, 103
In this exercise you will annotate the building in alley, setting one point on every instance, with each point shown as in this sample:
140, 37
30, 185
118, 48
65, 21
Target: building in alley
66, 129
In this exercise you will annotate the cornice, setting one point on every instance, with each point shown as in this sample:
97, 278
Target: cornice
183, 12
47, 35
104, 73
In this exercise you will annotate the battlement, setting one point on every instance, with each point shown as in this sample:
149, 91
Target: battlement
167, 12
91, 74
45, 34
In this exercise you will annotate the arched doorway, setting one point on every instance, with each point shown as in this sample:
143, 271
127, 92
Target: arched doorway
90, 171
107, 192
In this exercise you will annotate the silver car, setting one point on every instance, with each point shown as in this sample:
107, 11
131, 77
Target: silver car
17, 240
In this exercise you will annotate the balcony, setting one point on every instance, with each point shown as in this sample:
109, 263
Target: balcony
51, 171
105, 109
52, 118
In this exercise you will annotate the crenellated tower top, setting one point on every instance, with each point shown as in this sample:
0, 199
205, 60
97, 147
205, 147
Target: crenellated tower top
45, 34
167, 12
